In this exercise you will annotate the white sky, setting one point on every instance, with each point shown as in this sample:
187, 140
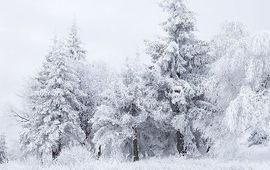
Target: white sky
110, 30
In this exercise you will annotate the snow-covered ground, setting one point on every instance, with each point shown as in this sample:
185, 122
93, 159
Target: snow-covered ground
77, 158
152, 164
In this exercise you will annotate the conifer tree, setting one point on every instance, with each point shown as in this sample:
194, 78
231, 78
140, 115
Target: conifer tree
74, 45
181, 59
75, 51
54, 107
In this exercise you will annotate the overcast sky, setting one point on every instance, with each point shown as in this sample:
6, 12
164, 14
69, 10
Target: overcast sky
110, 30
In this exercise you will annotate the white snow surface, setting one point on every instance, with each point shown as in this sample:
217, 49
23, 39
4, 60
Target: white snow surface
151, 164
254, 158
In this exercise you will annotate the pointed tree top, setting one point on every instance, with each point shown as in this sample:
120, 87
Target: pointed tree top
74, 49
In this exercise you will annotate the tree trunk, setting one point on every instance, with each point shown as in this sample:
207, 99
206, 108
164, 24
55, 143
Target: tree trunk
180, 142
99, 152
135, 146
56, 151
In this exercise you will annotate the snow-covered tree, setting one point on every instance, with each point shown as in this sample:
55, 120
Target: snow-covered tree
155, 137
3, 149
117, 120
249, 112
77, 54
54, 107
258, 137
95, 78
181, 60
74, 45
239, 84
229, 51
228, 62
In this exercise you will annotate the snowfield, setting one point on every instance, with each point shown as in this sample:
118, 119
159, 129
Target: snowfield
152, 164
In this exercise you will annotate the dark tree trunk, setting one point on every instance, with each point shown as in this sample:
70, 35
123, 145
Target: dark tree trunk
135, 146
56, 151
99, 152
208, 149
180, 142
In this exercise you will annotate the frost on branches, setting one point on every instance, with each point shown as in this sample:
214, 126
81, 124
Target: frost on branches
241, 87
3, 149
73, 45
248, 113
230, 58
77, 55
181, 59
193, 99
118, 119
54, 106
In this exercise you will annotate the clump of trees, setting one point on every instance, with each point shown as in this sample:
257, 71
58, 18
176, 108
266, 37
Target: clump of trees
241, 88
193, 97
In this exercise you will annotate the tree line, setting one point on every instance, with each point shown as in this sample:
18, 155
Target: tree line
193, 99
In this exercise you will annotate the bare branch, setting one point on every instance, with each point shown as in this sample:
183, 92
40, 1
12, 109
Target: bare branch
20, 117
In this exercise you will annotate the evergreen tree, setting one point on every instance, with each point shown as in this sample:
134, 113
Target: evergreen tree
3, 149
181, 60
75, 51
54, 106
93, 79
74, 45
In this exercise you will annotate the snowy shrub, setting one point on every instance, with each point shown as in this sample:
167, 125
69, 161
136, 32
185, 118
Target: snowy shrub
258, 137
74, 155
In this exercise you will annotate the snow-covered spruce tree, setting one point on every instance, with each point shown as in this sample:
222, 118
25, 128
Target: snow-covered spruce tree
54, 107
75, 51
155, 136
94, 78
181, 59
117, 120
3, 149
74, 45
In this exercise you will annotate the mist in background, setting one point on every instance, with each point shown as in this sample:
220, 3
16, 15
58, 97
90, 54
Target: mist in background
110, 31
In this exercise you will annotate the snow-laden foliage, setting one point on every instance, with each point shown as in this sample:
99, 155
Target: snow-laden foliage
73, 45
120, 113
180, 58
61, 99
258, 137
54, 106
194, 97
3, 149
250, 110
230, 56
95, 78
241, 87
